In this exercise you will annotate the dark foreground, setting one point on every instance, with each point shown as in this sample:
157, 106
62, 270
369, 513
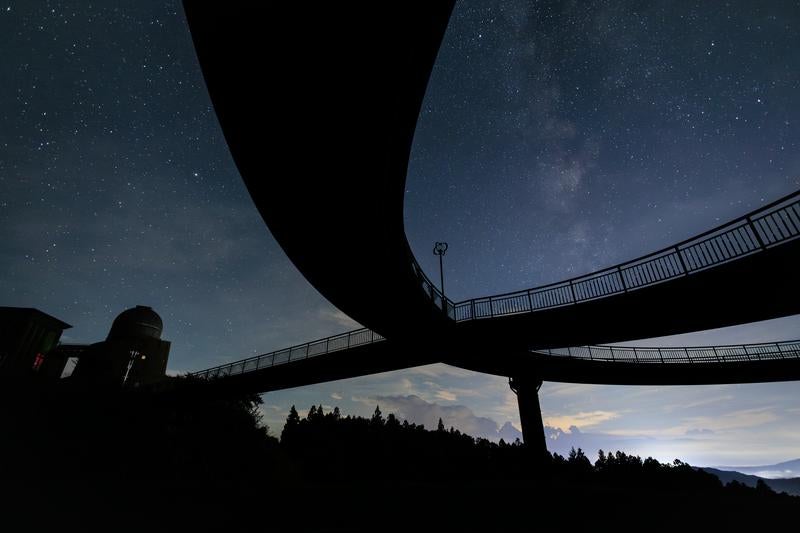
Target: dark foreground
192, 461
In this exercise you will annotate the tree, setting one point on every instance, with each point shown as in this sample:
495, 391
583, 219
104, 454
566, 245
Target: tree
763, 488
377, 417
578, 461
293, 419
392, 422
312, 413
336, 413
292, 423
440, 427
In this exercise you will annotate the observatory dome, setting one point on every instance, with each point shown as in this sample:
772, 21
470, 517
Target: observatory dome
140, 321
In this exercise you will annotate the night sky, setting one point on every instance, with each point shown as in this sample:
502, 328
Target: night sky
556, 138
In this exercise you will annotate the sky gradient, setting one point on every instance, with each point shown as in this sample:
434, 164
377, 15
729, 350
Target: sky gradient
556, 138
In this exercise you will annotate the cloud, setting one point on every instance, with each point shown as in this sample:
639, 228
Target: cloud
439, 370
336, 396
446, 395
743, 418
581, 419
702, 431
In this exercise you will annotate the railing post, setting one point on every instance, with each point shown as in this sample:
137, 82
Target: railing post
622, 279
472, 309
572, 289
683, 263
715, 353
748, 353
530, 302
780, 352
327, 344
660, 355
569, 352
756, 233
348, 340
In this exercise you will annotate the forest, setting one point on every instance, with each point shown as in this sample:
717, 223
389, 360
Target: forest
196, 459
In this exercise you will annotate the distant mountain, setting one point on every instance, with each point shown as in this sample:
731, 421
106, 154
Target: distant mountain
789, 486
787, 469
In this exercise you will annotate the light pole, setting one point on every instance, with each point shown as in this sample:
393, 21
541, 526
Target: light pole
440, 248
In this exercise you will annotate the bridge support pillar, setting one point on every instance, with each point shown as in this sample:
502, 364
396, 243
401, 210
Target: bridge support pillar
530, 414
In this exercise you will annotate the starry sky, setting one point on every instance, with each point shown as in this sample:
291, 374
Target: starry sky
555, 138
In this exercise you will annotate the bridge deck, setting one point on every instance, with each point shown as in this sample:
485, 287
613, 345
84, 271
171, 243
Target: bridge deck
330, 186
335, 358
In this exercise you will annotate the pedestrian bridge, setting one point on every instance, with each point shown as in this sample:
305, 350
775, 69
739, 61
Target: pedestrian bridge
319, 111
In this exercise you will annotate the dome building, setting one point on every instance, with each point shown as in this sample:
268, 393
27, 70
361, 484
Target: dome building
132, 354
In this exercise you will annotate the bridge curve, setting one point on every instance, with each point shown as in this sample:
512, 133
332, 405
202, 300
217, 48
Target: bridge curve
341, 101
334, 358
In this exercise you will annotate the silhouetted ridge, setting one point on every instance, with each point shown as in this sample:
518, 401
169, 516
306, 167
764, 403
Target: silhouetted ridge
206, 461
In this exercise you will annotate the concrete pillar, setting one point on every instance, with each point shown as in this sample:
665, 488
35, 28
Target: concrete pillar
530, 414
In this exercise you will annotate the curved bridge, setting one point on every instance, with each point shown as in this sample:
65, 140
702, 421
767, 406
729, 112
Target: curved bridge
334, 358
330, 188
319, 106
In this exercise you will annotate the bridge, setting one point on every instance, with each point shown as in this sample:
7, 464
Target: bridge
319, 114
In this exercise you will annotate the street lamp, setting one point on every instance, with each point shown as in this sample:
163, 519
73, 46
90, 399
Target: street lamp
440, 248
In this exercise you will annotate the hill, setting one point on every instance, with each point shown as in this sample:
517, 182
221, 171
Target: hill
787, 485
786, 469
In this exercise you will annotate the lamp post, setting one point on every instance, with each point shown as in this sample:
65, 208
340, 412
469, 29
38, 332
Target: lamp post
440, 248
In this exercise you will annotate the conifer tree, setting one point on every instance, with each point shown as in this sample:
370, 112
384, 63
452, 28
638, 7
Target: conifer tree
377, 416
292, 422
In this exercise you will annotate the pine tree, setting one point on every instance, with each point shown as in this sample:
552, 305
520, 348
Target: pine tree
377, 417
293, 419
440, 427
292, 423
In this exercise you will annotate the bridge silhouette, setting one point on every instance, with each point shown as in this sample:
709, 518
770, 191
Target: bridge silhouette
341, 110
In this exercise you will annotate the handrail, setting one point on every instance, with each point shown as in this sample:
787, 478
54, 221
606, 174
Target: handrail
771, 225
690, 354
733, 353
435, 295
775, 223
334, 343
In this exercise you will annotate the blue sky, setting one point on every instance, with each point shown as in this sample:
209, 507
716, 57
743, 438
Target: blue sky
542, 152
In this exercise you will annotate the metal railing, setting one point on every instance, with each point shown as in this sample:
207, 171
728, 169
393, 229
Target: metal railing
436, 296
696, 354
335, 343
769, 226
620, 354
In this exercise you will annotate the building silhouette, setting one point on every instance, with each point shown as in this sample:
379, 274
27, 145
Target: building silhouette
132, 354
26, 336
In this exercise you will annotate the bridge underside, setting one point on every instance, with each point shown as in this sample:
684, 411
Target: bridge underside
387, 356
319, 105
342, 109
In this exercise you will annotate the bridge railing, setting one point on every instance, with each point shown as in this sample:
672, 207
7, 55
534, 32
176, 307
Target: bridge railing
334, 343
696, 354
769, 226
435, 295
